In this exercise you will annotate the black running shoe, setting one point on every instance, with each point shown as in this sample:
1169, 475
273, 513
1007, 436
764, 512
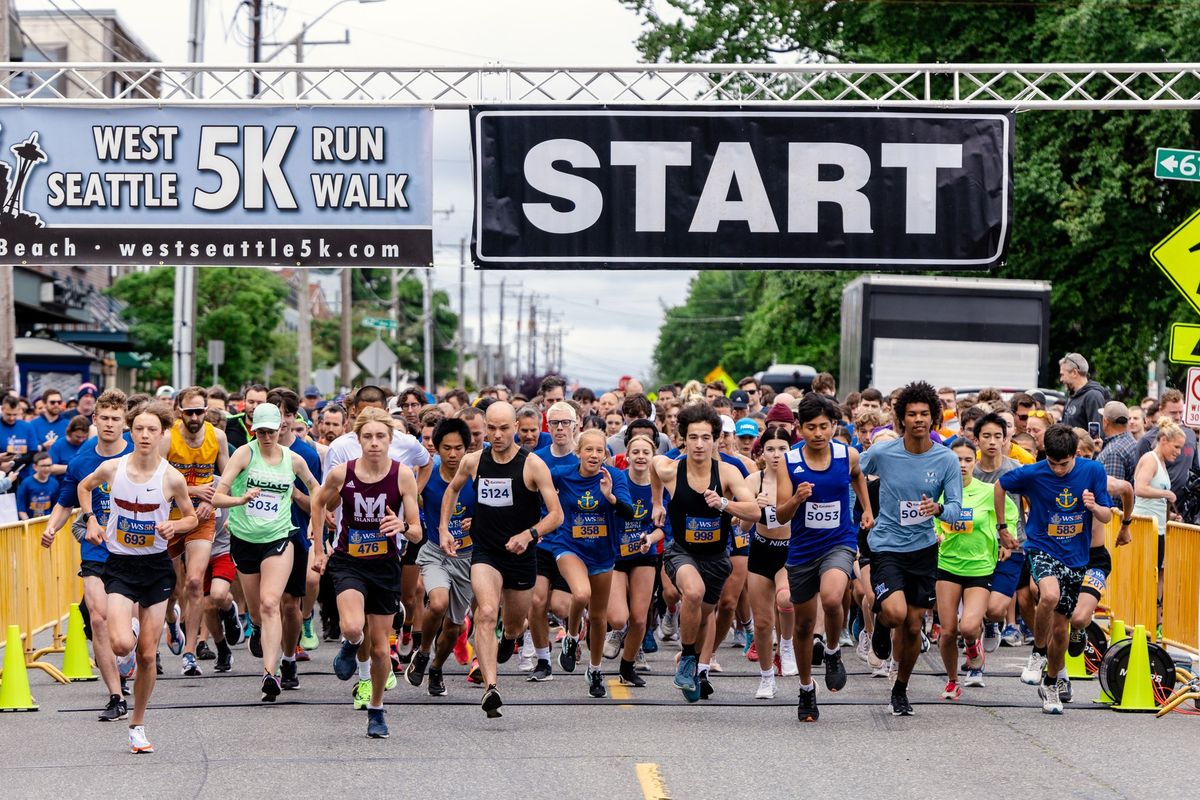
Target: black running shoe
629, 677
231, 623
818, 648
881, 641
270, 688
835, 671
541, 672
505, 650
806, 706
288, 677
125, 690
491, 702
224, 660
900, 705
256, 643
596, 683
437, 685
204, 652
116, 709
568, 653
415, 672
706, 687
1077, 643
158, 670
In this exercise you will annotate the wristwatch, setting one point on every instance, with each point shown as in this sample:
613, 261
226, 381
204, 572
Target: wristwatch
724, 503
534, 534
1125, 522
85, 516
1003, 526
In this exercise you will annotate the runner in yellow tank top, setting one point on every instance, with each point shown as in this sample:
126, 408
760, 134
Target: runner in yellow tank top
200, 452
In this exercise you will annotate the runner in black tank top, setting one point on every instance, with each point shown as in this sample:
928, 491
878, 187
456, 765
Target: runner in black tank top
504, 505
699, 530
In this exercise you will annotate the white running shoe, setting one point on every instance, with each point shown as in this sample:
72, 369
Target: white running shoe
714, 666
138, 743
974, 678
639, 663
847, 639
863, 651
1032, 674
1051, 703
527, 648
668, 628
883, 670
613, 642
766, 688
787, 658
525, 663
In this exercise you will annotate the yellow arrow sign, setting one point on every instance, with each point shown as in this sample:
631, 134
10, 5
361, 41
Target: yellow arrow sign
1178, 256
1185, 344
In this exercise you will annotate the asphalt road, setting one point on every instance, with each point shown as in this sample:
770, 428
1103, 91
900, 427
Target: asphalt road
214, 739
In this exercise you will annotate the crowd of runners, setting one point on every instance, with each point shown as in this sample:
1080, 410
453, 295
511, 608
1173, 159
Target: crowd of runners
406, 530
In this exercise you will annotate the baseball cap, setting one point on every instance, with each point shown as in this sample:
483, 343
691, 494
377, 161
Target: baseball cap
165, 391
739, 398
266, 415
1117, 412
312, 391
746, 427
727, 425
86, 390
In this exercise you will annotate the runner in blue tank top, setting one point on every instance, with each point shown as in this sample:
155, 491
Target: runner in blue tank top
813, 485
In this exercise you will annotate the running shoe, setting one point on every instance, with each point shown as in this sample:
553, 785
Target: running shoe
289, 678
1051, 702
330, 631
766, 688
935, 633
1077, 643
416, 668
864, 645
505, 649
629, 677
255, 644
376, 727
685, 676
706, 687
437, 684
175, 635
1026, 634
974, 654
649, 643
596, 683
614, 642
301, 654
138, 743
893, 671
1034, 667
345, 663
116, 709
204, 652
953, 691
308, 637
750, 643
568, 654
188, 666
777, 664
127, 664
390, 683
541, 672
739, 639
835, 671
639, 662
158, 670
668, 627
463, 652
1011, 637
224, 660
475, 674
231, 623
1065, 693
125, 691
270, 688
925, 643
752, 652
881, 641
715, 666
973, 678
846, 639
491, 702
883, 669
525, 663
806, 705
787, 658
991, 636
818, 648
900, 705
362, 694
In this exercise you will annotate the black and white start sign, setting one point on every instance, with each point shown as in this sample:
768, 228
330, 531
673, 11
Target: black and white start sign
688, 188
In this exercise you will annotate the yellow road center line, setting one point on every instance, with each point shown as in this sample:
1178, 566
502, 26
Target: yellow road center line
618, 691
653, 785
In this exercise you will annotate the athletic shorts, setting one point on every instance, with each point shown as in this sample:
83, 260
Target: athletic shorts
628, 565
864, 549
440, 571
376, 579
547, 567
91, 569
146, 580
409, 559
714, 570
596, 565
966, 581
219, 567
1095, 577
1162, 551
1043, 565
767, 556
297, 582
1007, 576
912, 573
206, 531
248, 556
518, 572
804, 580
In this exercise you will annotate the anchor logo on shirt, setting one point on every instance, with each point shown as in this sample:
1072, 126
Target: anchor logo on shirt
587, 502
1065, 499
639, 510
459, 509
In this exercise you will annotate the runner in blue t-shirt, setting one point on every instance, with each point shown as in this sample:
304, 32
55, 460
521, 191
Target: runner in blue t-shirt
38, 492
1064, 494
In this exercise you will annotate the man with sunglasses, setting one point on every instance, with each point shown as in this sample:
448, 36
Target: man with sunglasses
51, 424
1087, 396
753, 393
200, 452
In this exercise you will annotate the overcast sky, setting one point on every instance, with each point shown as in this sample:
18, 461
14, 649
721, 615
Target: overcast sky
610, 319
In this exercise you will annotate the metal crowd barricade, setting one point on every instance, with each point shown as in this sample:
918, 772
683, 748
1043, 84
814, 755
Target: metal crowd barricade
1181, 588
37, 586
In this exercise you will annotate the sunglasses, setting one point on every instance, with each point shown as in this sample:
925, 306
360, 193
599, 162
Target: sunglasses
1036, 414
193, 412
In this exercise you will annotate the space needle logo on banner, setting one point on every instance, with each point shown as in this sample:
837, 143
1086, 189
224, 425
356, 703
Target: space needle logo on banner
13, 216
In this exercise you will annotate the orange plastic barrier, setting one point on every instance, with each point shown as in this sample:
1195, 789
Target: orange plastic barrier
1181, 587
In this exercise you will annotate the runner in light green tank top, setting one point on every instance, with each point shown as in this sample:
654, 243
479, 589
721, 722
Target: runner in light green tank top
267, 517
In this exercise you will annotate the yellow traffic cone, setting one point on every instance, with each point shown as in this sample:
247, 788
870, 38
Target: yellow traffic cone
77, 666
1116, 632
14, 689
1138, 694
1077, 668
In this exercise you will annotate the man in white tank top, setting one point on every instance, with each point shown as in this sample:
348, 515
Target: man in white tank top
142, 486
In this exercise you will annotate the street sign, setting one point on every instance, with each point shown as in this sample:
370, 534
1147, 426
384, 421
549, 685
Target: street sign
1178, 256
325, 380
216, 352
380, 323
1185, 344
376, 358
1191, 412
1177, 165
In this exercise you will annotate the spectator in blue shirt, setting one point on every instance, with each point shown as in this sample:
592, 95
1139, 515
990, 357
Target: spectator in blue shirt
36, 494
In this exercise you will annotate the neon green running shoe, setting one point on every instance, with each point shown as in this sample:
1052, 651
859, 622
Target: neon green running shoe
308, 638
391, 681
362, 695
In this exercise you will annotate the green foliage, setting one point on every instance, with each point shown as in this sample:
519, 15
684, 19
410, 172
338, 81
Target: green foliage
1086, 207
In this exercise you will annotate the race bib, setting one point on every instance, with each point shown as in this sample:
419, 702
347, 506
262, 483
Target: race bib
588, 525
741, 539
910, 513
822, 516
265, 506
631, 538
17, 447
365, 543
1096, 580
495, 492
964, 524
701, 530
1065, 528
772, 517
135, 533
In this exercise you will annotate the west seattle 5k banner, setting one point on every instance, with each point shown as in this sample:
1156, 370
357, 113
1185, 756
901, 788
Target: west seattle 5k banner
232, 186
697, 187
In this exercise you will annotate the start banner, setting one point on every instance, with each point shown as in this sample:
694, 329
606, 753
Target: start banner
229, 186
697, 187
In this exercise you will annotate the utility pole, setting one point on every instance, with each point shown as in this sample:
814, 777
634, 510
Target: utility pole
8, 309
500, 336
532, 334
256, 15
347, 357
196, 16
462, 306
549, 335
303, 329
520, 333
430, 383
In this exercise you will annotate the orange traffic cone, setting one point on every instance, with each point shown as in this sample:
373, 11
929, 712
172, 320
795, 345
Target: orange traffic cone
14, 690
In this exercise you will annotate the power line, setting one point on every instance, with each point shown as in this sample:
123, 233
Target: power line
85, 31
115, 29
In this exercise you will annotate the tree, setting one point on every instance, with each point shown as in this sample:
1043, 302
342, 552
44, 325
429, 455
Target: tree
1086, 206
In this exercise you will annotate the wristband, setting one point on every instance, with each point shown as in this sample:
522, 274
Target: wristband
1003, 526
1125, 522
534, 535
